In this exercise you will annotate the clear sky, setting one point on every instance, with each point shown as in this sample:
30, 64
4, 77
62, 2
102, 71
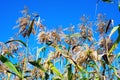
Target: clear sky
55, 12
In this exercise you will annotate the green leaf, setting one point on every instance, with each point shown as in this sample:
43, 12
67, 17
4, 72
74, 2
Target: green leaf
115, 71
105, 58
54, 69
119, 6
74, 35
27, 76
70, 60
49, 43
46, 76
10, 66
8, 76
113, 30
107, 1
39, 50
115, 44
37, 64
117, 40
30, 27
9, 54
81, 69
16, 41
56, 78
118, 55
108, 25
69, 67
119, 29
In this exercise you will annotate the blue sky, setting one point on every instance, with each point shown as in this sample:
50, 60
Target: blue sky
55, 12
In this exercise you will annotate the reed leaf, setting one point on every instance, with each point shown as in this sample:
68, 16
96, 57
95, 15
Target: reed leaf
69, 67
30, 28
115, 71
119, 6
40, 50
10, 65
37, 64
55, 70
117, 41
20, 41
109, 1
115, 44
118, 55
113, 30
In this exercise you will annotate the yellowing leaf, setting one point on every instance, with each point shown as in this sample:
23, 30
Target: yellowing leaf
55, 70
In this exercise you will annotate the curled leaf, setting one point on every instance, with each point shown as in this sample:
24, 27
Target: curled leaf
113, 30
16, 41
